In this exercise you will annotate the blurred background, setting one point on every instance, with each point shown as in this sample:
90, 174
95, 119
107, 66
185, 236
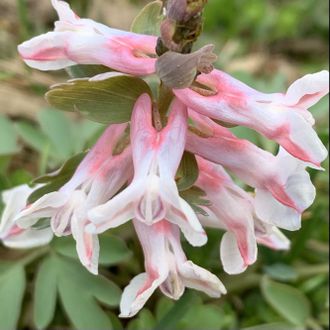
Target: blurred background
265, 43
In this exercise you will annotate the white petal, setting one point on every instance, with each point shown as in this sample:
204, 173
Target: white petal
231, 257
42, 208
269, 210
188, 222
198, 278
29, 238
117, 211
137, 293
15, 201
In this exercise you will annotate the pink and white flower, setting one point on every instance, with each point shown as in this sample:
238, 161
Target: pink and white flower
276, 178
84, 41
13, 236
231, 209
283, 118
98, 177
153, 194
166, 267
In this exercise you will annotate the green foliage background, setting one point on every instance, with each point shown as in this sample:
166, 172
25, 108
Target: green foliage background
266, 44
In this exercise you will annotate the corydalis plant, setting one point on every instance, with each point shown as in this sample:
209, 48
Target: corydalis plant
138, 169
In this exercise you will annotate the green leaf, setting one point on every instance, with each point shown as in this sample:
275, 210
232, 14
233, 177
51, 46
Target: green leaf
56, 180
8, 137
57, 127
45, 293
196, 198
12, 287
66, 246
32, 136
145, 320
281, 272
87, 70
187, 173
202, 316
289, 302
274, 326
113, 250
149, 19
107, 101
78, 290
82, 310
177, 312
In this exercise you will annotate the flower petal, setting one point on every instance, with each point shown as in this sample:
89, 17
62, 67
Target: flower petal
234, 209
271, 237
230, 254
198, 278
44, 207
239, 104
15, 201
115, 212
298, 187
186, 219
29, 238
173, 140
87, 245
137, 293
256, 167
83, 41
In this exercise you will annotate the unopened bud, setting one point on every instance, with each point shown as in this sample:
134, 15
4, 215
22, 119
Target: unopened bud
180, 70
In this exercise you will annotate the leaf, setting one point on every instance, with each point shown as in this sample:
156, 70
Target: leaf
82, 310
196, 198
86, 70
8, 137
56, 180
177, 312
113, 250
144, 320
289, 302
45, 293
32, 136
57, 127
149, 19
281, 272
108, 101
12, 287
202, 316
78, 290
274, 326
187, 173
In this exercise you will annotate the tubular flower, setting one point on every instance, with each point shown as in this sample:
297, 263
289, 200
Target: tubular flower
166, 267
277, 178
232, 209
83, 41
238, 246
152, 194
99, 176
12, 235
283, 118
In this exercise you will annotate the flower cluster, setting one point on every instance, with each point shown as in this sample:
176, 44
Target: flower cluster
139, 180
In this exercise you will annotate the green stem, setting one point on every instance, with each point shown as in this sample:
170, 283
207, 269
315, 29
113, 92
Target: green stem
165, 97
